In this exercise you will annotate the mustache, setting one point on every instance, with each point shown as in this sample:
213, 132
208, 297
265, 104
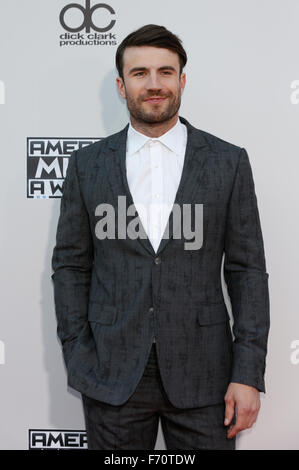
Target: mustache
155, 95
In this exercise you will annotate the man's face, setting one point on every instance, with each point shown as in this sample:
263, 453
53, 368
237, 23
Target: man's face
152, 83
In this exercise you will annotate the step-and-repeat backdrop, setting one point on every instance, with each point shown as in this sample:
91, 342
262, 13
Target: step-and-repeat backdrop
58, 92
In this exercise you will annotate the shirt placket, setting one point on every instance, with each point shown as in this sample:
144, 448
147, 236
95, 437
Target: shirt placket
156, 191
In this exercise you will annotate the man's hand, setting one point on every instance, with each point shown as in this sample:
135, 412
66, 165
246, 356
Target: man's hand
246, 400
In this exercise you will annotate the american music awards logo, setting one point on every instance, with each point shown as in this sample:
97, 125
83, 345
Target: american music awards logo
87, 25
47, 162
48, 439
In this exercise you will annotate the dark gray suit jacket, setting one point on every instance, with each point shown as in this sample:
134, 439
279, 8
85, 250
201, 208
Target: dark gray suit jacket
113, 295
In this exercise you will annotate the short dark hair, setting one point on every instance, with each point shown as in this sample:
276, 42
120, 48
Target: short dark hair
151, 35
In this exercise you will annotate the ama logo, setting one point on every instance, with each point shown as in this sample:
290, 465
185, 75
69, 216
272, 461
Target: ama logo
47, 162
44, 439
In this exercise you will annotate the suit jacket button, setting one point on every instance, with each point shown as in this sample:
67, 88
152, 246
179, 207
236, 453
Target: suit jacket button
158, 260
151, 309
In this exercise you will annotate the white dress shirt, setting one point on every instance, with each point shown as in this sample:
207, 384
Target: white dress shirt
154, 169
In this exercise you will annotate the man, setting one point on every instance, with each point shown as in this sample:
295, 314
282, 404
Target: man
142, 320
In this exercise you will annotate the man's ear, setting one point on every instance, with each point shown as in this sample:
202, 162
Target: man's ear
182, 82
121, 87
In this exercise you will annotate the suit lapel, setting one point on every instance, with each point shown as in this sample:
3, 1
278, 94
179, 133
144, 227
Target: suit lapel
196, 156
115, 161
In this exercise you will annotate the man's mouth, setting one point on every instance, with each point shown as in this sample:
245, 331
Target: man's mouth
155, 99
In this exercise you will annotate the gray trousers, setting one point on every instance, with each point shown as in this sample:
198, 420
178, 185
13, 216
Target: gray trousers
134, 425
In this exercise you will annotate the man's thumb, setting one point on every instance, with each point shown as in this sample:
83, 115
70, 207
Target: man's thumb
229, 411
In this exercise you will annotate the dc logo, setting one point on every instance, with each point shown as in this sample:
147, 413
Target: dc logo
87, 23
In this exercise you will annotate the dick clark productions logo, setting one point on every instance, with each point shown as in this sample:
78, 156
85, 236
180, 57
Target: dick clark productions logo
100, 25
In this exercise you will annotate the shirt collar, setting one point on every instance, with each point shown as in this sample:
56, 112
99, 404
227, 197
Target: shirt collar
173, 139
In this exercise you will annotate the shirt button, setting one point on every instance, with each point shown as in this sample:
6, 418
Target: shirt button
151, 309
158, 260
157, 195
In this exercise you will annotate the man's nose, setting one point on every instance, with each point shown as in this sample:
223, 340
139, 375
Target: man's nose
153, 81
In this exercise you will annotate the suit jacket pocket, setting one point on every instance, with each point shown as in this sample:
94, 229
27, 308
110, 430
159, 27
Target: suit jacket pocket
212, 314
103, 314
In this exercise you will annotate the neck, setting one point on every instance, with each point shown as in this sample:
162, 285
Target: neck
155, 129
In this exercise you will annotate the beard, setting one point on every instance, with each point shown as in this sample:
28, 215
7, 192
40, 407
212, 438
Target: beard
158, 113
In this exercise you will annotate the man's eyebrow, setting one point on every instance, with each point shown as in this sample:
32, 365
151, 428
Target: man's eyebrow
142, 69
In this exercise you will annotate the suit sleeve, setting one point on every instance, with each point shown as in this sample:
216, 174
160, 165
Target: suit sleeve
247, 280
72, 262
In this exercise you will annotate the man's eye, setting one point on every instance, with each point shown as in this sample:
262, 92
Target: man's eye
138, 73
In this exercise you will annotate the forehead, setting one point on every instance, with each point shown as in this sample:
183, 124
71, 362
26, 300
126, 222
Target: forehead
149, 57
